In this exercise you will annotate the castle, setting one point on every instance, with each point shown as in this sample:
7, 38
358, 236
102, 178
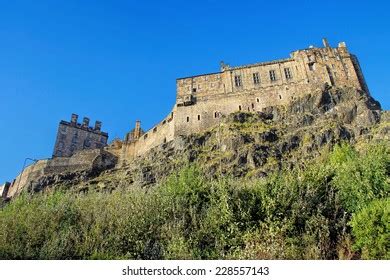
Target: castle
201, 100
200, 103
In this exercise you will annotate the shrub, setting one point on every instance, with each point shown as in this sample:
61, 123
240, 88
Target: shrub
371, 228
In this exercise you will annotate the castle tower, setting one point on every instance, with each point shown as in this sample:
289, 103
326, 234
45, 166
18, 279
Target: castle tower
137, 130
73, 137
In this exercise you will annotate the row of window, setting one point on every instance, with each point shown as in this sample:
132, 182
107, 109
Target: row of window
217, 114
256, 77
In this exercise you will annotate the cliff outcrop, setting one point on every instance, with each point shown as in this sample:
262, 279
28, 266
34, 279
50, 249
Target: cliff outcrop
243, 144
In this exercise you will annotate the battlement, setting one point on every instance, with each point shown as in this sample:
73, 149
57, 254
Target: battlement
74, 136
85, 125
312, 65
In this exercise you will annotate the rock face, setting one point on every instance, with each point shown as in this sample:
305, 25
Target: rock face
242, 144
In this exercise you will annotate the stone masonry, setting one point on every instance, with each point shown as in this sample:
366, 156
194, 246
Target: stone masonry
201, 100
200, 103
73, 136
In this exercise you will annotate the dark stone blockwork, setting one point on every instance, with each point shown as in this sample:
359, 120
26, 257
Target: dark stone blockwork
73, 136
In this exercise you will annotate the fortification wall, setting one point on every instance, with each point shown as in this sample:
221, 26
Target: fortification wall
30, 173
202, 99
87, 160
157, 135
206, 112
4, 190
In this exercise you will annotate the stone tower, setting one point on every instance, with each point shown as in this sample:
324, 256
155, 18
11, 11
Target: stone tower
73, 136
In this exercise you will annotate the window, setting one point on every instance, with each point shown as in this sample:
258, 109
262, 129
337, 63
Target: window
287, 73
258, 100
198, 117
237, 81
239, 107
216, 115
311, 66
253, 106
272, 75
188, 119
194, 90
256, 78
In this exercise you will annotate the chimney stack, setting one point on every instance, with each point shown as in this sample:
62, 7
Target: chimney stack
342, 45
74, 118
98, 125
86, 122
325, 43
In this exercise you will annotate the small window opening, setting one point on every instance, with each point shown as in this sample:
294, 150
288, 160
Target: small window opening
239, 107
237, 81
188, 119
256, 78
272, 75
198, 117
194, 90
258, 100
253, 106
287, 73
280, 97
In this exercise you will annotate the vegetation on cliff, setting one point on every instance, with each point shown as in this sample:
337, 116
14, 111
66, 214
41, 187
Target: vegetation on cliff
336, 206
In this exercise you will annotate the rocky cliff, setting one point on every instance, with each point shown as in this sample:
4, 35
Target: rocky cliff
244, 144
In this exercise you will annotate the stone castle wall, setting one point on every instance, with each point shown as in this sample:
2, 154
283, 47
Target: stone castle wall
93, 160
158, 134
201, 100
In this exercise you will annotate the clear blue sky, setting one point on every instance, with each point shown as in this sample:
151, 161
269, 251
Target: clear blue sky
117, 60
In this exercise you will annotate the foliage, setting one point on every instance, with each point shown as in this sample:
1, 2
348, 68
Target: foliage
371, 226
335, 207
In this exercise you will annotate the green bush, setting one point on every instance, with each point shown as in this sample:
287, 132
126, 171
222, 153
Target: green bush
304, 213
371, 228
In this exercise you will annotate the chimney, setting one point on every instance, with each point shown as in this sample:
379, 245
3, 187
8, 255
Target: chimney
86, 122
325, 43
98, 125
342, 45
137, 130
74, 118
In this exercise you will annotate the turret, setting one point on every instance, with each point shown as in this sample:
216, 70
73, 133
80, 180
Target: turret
137, 130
